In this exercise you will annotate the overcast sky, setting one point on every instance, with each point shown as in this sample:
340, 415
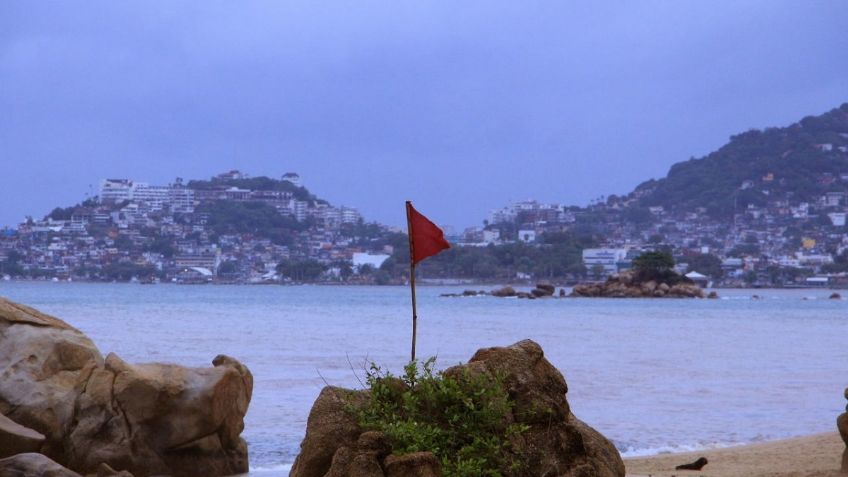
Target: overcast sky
461, 107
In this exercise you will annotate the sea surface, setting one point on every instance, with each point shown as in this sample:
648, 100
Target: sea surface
653, 375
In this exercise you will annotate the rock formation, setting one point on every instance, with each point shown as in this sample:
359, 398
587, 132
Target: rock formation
504, 292
626, 285
555, 443
842, 425
62, 399
542, 290
33, 465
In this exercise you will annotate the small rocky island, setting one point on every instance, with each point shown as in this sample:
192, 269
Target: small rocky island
65, 411
627, 285
652, 276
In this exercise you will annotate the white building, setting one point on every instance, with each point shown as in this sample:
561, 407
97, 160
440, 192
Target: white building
293, 178
115, 190
374, 260
527, 236
491, 236
154, 196
837, 219
350, 215
300, 210
181, 199
608, 258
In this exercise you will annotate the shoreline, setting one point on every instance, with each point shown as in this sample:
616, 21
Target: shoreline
815, 455
423, 284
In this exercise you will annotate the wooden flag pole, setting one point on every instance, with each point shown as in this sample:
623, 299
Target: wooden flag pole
411, 274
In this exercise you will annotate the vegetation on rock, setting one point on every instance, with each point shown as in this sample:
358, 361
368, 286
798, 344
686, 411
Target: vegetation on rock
462, 418
657, 266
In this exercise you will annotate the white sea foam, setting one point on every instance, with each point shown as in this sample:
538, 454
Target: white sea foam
271, 469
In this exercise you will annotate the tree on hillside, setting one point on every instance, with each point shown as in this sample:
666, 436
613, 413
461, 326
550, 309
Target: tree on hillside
301, 270
658, 266
706, 264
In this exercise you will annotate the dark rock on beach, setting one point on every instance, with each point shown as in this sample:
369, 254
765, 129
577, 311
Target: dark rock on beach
61, 399
555, 442
33, 465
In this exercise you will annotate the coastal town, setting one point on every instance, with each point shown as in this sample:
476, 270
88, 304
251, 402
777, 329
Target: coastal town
235, 228
195, 232
767, 209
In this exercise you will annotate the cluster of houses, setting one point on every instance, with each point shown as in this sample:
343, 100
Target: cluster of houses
138, 231
781, 243
135, 230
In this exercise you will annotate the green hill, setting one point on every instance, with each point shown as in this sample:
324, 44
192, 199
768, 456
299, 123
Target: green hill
797, 163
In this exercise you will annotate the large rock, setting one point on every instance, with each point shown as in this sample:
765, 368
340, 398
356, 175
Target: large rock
842, 426
17, 439
329, 427
555, 443
163, 419
148, 419
33, 465
506, 291
44, 365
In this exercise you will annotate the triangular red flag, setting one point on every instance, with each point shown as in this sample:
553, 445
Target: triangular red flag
425, 238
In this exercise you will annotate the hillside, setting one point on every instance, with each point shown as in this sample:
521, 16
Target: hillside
797, 163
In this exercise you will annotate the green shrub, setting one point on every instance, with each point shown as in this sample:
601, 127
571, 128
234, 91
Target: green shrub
462, 418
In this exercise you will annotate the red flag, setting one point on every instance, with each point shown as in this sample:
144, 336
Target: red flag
425, 238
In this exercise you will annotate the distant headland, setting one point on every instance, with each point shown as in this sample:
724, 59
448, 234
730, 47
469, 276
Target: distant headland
768, 209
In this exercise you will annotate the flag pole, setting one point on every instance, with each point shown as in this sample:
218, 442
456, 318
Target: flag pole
411, 274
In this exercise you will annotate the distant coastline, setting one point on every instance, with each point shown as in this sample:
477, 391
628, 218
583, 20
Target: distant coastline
439, 282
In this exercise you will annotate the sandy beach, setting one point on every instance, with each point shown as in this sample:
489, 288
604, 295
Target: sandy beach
818, 455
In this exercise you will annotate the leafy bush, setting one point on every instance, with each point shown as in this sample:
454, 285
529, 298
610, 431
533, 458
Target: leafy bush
657, 266
462, 418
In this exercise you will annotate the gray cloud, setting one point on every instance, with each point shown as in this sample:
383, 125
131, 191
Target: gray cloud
458, 106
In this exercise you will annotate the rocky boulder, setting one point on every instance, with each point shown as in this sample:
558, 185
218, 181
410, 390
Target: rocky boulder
44, 365
33, 465
504, 292
842, 426
148, 419
543, 290
555, 443
17, 439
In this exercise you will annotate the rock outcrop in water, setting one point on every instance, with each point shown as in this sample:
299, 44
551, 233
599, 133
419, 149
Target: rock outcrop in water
60, 398
555, 443
542, 290
628, 285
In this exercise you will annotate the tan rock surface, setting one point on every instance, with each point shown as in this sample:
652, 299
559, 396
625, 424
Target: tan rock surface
148, 419
44, 365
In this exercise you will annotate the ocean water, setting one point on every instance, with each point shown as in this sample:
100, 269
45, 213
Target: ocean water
652, 375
